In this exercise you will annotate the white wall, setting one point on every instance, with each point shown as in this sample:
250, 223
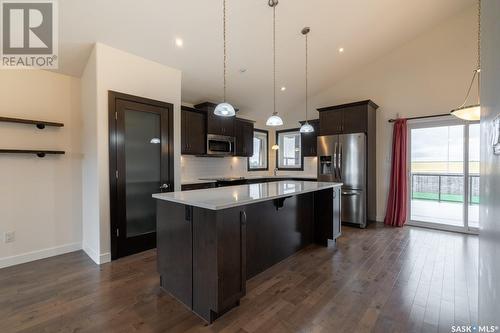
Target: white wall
40, 198
428, 75
112, 69
489, 236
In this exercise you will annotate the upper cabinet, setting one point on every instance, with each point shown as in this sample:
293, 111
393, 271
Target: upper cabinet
309, 146
193, 131
243, 133
347, 118
216, 124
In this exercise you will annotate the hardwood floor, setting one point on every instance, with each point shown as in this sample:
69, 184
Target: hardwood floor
376, 280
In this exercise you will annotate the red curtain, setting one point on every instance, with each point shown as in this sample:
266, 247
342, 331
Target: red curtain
398, 201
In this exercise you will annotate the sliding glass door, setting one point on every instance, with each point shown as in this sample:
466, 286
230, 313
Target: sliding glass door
444, 174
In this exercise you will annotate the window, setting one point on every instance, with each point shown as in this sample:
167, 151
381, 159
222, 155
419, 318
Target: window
289, 154
259, 160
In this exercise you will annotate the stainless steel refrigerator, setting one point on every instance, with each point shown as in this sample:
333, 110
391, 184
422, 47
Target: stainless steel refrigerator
343, 158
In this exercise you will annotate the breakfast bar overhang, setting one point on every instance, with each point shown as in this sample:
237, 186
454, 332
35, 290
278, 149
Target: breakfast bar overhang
211, 241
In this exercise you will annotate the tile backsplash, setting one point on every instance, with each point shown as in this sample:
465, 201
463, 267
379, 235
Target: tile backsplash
193, 168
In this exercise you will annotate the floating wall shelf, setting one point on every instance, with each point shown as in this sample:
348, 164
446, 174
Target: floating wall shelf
38, 123
39, 153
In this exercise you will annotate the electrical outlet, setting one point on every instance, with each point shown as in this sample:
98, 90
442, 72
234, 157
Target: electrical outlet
9, 237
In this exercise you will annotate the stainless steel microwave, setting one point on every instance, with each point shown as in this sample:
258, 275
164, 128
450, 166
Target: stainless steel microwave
220, 145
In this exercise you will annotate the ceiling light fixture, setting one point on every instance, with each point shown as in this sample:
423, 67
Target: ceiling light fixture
224, 109
341, 50
472, 112
275, 119
283, 88
179, 42
306, 127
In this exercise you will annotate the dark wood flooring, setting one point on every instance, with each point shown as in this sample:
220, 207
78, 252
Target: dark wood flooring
376, 280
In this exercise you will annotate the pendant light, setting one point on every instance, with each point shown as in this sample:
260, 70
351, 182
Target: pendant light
472, 112
275, 119
306, 127
224, 109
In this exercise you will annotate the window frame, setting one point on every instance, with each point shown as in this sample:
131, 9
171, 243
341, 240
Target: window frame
266, 132
297, 130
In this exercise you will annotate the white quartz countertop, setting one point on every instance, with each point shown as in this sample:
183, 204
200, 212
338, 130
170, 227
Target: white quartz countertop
240, 195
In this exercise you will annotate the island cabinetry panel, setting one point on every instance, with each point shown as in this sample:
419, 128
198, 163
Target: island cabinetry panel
219, 260
174, 243
277, 229
328, 217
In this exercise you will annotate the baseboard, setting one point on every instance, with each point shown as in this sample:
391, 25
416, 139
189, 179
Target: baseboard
97, 258
104, 258
40, 254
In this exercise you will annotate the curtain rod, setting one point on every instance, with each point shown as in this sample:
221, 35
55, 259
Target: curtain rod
422, 117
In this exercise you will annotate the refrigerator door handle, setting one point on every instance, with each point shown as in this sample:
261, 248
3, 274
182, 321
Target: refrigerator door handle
335, 161
341, 152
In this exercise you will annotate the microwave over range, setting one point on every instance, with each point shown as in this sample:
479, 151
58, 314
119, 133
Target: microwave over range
220, 145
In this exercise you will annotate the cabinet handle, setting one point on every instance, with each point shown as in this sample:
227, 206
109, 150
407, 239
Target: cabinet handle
243, 218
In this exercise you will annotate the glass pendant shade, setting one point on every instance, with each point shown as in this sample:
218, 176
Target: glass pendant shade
274, 120
306, 128
469, 113
224, 110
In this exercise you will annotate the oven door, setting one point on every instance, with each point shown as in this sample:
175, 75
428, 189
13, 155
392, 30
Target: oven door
220, 145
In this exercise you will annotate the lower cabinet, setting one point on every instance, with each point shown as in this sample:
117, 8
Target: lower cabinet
202, 186
337, 213
219, 260
328, 222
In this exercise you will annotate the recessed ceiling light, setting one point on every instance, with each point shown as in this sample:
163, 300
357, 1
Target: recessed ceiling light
243, 70
341, 50
179, 42
283, 88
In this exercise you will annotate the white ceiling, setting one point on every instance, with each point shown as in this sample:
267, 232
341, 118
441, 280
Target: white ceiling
366, 29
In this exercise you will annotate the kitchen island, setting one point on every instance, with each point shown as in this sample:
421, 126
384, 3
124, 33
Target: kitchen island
211, 241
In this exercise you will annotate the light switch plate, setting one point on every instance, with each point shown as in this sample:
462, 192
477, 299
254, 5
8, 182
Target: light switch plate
9, 237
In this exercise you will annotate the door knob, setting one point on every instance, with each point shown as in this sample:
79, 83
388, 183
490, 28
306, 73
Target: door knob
164, 187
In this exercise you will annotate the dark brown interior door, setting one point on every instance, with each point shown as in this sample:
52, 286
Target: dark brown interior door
141, 164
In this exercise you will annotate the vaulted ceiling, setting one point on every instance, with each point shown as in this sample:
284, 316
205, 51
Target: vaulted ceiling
366, 29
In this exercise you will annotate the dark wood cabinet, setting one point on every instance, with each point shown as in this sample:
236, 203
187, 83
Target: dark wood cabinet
330, 123
216, 124
193, 131
309, 140
354, 120
243, 133
337, 214
346, 118
197, 186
